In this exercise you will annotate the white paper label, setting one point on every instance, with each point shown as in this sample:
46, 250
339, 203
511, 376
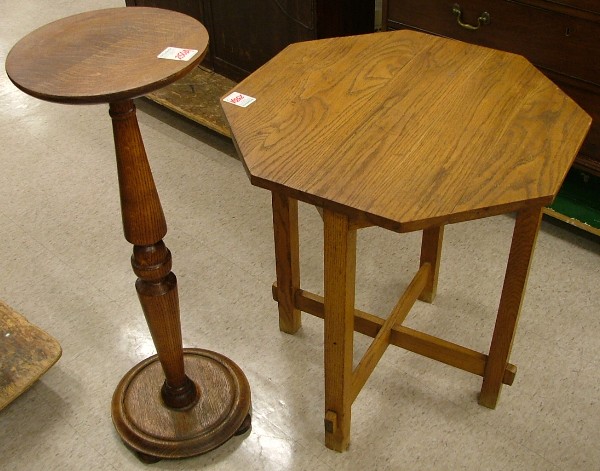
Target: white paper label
239, 99
177, 54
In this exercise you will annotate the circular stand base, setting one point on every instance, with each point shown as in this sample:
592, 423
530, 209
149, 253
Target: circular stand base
155, 431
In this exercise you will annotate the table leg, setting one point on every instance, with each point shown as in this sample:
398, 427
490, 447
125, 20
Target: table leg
339, 276
174, 424
287, 264
431, 252
515, 281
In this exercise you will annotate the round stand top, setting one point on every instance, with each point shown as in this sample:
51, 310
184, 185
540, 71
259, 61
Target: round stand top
106, 55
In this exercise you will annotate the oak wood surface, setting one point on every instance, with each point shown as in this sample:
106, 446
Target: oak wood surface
558, 36
406, 129
104, 55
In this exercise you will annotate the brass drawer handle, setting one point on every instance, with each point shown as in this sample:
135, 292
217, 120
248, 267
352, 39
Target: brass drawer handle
484, 18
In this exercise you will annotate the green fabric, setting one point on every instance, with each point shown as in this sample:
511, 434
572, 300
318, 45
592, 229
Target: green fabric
579, 198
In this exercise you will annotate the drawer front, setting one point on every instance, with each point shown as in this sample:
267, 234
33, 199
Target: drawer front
555, 41
585, 5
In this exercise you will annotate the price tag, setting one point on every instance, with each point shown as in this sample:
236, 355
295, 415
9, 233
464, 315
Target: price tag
177, 54
239, 99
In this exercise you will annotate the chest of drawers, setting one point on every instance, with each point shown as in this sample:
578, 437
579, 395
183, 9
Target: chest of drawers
244, 34
560, 37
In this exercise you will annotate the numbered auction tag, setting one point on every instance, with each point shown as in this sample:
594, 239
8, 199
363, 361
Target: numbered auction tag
177, 54
239, 99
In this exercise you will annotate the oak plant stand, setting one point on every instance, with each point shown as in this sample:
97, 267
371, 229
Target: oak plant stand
180, 402
408, 132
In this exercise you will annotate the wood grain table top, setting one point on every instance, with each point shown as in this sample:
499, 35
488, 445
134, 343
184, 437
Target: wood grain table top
406, 130
105, 55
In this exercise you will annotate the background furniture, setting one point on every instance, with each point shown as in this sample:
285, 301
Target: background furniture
177, 403
561, 38
244, 34
407, 132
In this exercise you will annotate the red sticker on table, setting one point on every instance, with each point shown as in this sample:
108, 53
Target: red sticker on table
239, 99
177, 54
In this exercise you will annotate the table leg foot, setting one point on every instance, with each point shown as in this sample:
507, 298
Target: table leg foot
246, 425
146, 459
154, 431
490, 400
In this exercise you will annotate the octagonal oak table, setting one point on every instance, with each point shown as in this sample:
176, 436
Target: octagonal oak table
408, 132
180, 402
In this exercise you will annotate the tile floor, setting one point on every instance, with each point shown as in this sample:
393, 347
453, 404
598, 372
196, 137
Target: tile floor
65, 266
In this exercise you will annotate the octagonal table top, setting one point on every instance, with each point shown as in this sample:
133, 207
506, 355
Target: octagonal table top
106, 55
406, 130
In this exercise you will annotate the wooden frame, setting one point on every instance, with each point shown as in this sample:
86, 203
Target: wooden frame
342, 319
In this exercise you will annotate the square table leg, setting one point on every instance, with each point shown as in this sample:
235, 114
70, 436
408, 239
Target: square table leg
513, 291
287, 264
339, 278
431, 252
